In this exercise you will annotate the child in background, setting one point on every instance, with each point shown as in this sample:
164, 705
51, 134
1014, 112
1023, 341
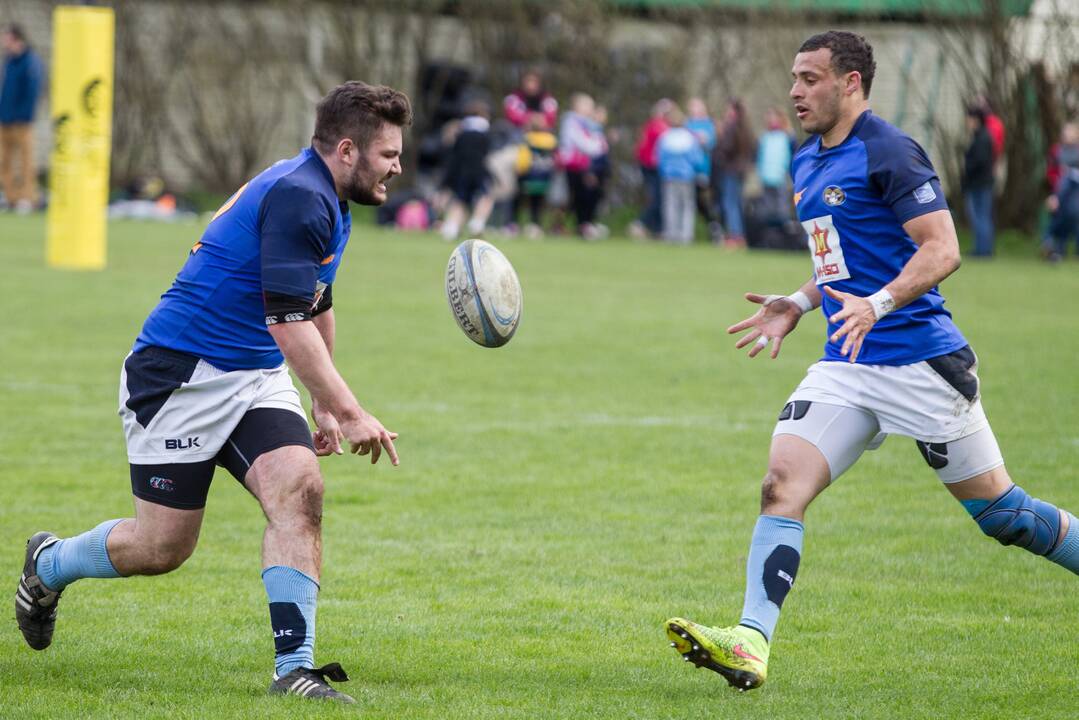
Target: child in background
467, 176
682, 164
535, 168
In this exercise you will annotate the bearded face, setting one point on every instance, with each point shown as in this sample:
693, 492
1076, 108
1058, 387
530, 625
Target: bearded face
375, 165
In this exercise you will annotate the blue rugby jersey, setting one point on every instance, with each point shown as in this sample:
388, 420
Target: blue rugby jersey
852, 201
282, 233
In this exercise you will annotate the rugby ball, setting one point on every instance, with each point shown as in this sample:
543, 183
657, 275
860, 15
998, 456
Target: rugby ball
484, 293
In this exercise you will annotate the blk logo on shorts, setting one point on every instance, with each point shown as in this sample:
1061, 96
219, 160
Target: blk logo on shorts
182, 443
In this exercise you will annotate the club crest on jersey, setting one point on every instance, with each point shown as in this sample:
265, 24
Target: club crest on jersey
826, 248
834, 195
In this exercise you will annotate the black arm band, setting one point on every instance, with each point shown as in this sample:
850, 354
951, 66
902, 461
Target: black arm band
285, 308
325, 302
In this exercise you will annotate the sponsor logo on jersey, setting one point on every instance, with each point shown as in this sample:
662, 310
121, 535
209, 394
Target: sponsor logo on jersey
924, 193
834, 195
826, 248
328, 259
798, 196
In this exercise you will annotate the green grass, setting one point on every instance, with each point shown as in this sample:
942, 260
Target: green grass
557, 500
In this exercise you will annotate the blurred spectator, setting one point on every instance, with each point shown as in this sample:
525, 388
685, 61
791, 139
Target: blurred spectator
733, 156
701, 124
580, 142
535, 169
18, 101
1063, 204
467, 176
530, 99
775, 149
682, 163
994, 125
601, 163
978, 182
651, 219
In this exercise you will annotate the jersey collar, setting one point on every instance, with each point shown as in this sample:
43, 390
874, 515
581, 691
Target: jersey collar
323, 167
821, 150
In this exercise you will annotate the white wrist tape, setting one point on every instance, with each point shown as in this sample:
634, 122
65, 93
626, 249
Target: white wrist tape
802, 300
882, 302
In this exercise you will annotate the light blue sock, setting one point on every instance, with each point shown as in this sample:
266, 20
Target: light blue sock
772, 565
293, 598
1067, 553
82, 556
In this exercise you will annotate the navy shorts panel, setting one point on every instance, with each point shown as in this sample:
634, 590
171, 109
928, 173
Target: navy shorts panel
152, 374
959, 369
260, 431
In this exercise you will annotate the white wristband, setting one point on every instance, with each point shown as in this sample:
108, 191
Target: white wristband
802, 300
882, 302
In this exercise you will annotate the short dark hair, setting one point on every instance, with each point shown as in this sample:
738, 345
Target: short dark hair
358, 111
850, 52
15, 30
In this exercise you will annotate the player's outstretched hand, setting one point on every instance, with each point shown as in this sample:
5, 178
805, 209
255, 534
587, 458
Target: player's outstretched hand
858, 319
367, 435
776, 317
328, 436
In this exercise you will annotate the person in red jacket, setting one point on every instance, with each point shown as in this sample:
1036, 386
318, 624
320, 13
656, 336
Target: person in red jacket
994, 125
530, 99
651, 219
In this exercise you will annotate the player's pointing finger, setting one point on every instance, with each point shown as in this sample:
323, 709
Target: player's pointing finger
387, 443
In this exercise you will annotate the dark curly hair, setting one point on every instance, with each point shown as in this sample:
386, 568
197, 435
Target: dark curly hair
850, 53
357, 111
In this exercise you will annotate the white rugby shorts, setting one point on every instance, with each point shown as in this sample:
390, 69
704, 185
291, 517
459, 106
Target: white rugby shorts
180, 409
844, 409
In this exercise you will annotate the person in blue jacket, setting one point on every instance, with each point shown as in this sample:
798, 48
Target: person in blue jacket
18, 100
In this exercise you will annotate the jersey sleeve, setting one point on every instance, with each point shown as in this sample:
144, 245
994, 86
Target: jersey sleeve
295, 227
904, 176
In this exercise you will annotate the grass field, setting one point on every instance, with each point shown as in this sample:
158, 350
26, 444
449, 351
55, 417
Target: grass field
557, 500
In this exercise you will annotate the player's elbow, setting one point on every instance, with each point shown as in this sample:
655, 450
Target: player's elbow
952, 259
948, 257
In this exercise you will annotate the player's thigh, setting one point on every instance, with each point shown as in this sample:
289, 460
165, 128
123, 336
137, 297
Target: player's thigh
970, 466
836, 434
275, 420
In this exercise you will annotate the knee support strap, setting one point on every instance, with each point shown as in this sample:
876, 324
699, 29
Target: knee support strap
1015, 518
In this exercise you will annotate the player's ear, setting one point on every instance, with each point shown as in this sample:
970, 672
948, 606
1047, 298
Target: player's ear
853, 82
346, 150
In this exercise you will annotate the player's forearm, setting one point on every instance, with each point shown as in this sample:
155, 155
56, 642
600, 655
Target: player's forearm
327, 327
306, 352
935, 260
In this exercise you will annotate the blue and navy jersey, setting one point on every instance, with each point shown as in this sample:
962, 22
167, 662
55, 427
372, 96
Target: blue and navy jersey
852, 200
280, 236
